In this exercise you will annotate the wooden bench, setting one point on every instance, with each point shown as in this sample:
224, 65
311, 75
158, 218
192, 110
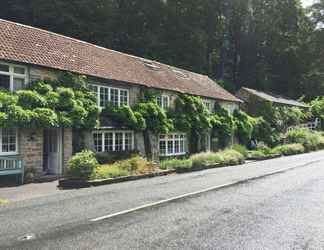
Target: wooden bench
12, 166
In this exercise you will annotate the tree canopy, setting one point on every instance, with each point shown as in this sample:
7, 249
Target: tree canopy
271, 45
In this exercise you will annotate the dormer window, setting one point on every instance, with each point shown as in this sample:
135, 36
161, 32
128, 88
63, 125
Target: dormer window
151, 65
180, 73
163, 101
12, 77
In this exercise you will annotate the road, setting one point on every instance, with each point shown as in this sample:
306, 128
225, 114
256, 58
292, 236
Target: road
279, 211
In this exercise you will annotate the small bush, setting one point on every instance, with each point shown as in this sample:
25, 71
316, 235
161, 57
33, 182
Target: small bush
105, 172
112, 157
311, 140
241, 149
257, 155
82, 165
289, 149
176, 164
206, 159
133, 166
232, 157
3, 202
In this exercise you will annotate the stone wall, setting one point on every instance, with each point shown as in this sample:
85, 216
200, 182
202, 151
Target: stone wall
67, 147
31, 149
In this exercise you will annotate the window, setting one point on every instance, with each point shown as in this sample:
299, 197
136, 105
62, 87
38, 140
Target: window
207, 104
172, 144
8, 141
163, 101
12, 77
113, 141
115, 96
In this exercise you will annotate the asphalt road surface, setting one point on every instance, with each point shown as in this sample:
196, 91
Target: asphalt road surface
280, 211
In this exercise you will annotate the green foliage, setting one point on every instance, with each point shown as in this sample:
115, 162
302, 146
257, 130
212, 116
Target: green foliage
155, 118
82, 165
104, 172
310, 140
241, 149
112, 157
223, 126
245, 125
289, 149
206, 159
271, 45
51, 104
176, 164
256, 155
125, 116
317, 109
4, 202
222, 158
133, 166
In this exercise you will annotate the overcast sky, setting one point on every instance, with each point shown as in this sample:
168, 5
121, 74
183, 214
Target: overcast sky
307, 2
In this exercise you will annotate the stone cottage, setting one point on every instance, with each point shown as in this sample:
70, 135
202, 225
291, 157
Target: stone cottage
28, 54
253, 98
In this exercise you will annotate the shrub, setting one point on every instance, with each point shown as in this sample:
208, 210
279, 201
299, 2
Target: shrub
112, 157
176, 164
133, 166
3, 202
82, 165
256, 155
311, 140
232, 157
206, 159
241, 149
289, 149
105, 172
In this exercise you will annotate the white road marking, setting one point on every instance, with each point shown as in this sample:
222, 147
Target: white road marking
187, 195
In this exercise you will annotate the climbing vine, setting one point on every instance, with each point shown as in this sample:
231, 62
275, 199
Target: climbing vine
66, 102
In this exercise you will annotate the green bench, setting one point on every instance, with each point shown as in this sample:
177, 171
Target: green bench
12, 166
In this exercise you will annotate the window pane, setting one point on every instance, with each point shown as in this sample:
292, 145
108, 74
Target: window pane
104, 96
9, 140
159, 101
165, 102
162, 148
19, 70
5, 82
114, 97
108, 142
18, 83
128, 141
123, 97
97, 138
119, 142
4, 68
170, 147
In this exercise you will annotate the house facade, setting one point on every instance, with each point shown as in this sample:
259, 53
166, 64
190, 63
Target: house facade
253, 98
29, 54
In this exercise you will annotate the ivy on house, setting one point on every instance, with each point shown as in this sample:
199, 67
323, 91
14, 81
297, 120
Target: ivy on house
66, 103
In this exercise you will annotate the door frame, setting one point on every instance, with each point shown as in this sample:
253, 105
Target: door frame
59, 169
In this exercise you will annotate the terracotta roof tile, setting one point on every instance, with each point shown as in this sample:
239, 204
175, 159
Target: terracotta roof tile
30, 45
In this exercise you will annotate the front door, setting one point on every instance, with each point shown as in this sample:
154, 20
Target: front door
53, 151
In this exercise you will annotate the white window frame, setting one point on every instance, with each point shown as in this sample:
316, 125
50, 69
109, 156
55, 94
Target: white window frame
165, 138
13, 75
165, 105
208, 104
99, 87
114, 132
11, 152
